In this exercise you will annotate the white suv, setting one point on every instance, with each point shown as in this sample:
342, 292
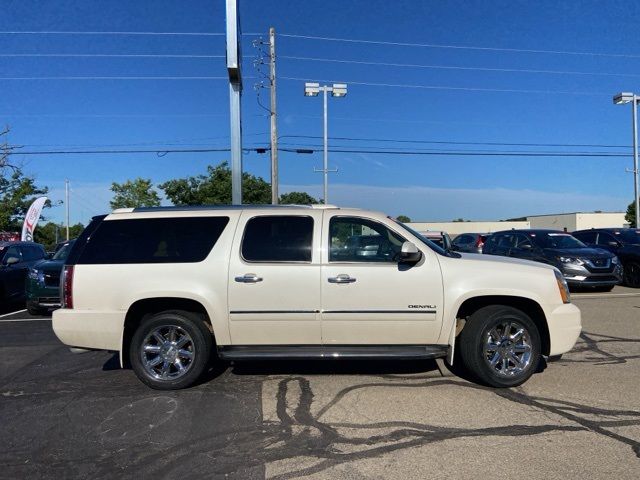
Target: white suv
172, 288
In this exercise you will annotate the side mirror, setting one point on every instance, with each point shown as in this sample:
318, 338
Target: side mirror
12, 260
409, 253
526, 246
613, 243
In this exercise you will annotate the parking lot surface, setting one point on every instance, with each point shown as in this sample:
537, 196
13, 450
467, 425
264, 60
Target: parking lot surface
79, 416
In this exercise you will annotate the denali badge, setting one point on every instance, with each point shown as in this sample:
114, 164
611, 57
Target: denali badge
422, 306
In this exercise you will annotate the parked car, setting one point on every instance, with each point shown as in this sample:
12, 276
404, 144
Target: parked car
43, 282
170, 287
469, 242
16, 258
581, 266
623, 242
442, 239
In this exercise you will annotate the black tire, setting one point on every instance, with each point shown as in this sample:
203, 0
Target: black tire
199, 346
34, 310
474, 341
632, 274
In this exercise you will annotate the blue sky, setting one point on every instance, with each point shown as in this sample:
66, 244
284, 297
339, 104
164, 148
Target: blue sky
467, 105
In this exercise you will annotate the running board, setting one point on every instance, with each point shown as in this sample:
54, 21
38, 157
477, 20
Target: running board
328, 352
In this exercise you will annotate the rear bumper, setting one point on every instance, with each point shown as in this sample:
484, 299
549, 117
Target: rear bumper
565, 325
89, 328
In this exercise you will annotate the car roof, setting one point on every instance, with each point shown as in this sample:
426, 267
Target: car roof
18, 243
537, 231
606, 229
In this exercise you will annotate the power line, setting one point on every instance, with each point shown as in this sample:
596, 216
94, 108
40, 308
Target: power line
188, 34
441, 87
161, 152
460, 47
464, 153
105, 55
448, 67
448, 142
114, 78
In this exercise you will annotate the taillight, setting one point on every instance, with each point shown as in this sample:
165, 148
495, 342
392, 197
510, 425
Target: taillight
66, 284
480, 242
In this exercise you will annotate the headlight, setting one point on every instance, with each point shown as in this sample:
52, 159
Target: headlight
33, 274
571, 261
563, 287
615, 260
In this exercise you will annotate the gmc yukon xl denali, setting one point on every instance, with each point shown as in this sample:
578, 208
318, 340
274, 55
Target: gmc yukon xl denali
172, 288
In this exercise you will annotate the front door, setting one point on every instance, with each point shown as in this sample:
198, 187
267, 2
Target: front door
368, 298
274, 279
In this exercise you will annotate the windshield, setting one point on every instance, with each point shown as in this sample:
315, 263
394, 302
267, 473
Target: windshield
433, 246
628, 236
63, 253
558, 240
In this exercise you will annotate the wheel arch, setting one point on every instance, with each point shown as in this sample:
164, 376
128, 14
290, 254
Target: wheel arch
527, 305
143, 308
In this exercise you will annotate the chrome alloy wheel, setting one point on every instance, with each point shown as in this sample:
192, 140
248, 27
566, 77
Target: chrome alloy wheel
507, 348
167, 352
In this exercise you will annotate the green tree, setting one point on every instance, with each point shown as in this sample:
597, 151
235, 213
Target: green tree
51, 233
134, 193
630, 216
17, 192
297, 198
403, 219
214, 188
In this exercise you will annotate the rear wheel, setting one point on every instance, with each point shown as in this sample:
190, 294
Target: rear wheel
632, 274
500, 346
35, 310
170, 350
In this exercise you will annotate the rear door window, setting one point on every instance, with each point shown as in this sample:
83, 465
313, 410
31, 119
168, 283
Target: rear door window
587, 237
153, 240
278, 238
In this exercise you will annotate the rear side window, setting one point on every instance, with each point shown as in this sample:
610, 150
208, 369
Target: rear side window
586, 237
278, 239
153, 240
30, 253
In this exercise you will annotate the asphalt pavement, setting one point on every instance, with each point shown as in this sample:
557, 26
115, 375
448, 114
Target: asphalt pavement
79, 416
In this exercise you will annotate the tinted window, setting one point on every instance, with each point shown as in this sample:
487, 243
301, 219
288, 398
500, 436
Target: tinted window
153, 240
30, 254
522, 241
11, 252
506, 241
628, 236
605, 238
63, 252
463, 239
362, 240
558, 240
278, 239
586, 237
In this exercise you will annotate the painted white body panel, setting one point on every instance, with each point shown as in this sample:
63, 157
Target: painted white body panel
104, 293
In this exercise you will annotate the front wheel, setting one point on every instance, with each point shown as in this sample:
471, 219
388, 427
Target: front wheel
170, 350
632, 274
500, 346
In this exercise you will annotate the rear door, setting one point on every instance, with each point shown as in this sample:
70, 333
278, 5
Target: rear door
274, 279
371, 299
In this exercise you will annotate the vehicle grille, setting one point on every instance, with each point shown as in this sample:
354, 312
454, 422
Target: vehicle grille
52, 279
599, 264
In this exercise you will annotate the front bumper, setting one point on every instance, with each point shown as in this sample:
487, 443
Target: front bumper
565, 325
580, 276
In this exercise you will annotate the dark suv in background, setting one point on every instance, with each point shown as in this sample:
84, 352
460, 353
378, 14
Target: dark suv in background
623, 242
469, 242
16, 258
581, 266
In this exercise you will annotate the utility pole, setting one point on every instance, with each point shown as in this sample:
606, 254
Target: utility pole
634, 119
66, 203
234, 63
274, 123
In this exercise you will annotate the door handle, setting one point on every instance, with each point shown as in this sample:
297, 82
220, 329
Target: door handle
249, 278
342, 278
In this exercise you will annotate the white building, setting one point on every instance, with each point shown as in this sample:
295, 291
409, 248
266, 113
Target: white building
561, 221
578, 220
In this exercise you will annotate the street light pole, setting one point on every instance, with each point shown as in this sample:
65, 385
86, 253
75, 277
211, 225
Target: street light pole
336, 90
635, 156
621, 99
325, 162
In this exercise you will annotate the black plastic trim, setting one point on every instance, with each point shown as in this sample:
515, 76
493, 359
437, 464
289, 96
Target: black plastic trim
331, 352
